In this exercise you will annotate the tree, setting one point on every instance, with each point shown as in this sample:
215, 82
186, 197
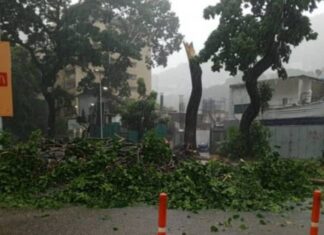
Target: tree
106, 33
140, 115
141, 87
43, 29
29, 111
254, 36
195, 97
266, 92
140, 28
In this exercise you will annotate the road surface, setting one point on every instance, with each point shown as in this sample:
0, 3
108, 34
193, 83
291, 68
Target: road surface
142, 220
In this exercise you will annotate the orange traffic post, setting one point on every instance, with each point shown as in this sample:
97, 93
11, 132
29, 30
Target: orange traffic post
163, 203
315, 212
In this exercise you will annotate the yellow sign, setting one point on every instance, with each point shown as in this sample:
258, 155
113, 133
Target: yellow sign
6, 106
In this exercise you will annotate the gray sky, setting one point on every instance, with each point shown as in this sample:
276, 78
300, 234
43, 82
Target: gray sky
195, 28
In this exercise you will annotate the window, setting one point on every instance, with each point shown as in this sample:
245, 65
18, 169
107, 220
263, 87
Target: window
133, 88
132, 77
284, 101
240, 108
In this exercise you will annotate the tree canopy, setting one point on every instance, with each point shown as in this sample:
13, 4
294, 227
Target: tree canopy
29, 111
140, 115
106, 33
249, 30
253, 36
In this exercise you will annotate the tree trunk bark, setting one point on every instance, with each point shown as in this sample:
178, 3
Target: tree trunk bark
253, 109
251, 82
51, 119
194, 101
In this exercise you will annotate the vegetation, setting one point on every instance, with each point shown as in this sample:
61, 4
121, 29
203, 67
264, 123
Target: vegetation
29, 111
235, 146
254, 36
140, 115
115, 173
58, 34
266, 92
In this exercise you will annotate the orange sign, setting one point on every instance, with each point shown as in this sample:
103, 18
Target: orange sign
6, 106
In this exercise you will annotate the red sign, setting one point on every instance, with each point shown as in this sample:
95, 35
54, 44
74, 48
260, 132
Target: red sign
3, 80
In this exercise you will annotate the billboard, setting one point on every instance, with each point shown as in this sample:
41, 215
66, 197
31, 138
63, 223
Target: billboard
6, 104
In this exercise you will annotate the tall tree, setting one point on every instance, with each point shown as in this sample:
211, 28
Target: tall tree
106, 33
141, 87
254, 36
42, 28
195, 97
29, 111
140, 115
266, 92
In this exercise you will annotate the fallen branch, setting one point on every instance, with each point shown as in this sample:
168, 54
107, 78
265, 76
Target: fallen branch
318, 181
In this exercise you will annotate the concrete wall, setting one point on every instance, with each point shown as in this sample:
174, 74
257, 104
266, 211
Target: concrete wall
298, 141
318, 90
289, 89
285, 89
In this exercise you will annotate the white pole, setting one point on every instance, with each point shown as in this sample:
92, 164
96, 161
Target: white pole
100, 101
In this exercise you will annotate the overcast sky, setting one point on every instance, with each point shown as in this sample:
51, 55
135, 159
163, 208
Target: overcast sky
195, 28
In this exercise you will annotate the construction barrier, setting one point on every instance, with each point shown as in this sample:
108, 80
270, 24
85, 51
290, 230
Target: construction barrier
163, 201
315, 212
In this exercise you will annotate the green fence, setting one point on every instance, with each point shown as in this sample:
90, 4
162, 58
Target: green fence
113, 129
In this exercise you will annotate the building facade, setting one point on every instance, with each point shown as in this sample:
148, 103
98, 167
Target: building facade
86, 104
295, 116
293, 97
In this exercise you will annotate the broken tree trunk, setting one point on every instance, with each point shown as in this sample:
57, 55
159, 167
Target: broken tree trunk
195, 97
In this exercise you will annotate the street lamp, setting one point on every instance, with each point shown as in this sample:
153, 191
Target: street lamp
100, 72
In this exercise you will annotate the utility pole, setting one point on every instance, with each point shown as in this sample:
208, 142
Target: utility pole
99, 72
100, 103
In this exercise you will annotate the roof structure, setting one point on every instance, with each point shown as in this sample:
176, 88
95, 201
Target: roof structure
241, 84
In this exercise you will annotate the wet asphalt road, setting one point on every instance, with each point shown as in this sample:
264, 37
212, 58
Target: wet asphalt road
143, 221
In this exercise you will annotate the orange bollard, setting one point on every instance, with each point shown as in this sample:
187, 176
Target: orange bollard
162, 213
315, 212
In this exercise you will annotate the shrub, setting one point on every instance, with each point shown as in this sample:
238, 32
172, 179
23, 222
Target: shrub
6, 140
285, 175
155, 150
21, 165
236, 146
115, 173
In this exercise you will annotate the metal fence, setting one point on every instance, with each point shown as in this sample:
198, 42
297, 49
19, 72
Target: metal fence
298, 141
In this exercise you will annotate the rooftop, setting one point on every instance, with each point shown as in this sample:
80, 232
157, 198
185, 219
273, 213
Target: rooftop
241, 84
